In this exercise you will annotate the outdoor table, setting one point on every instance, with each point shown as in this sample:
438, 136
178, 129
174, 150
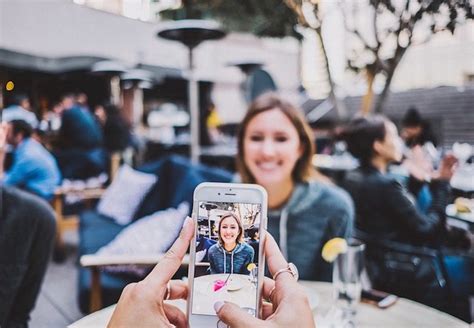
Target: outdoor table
404, 313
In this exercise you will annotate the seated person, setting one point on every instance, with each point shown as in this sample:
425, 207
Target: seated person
116, 130
421, 156
305, 210
19, 109
254, 240
231, 254
80, 154
383, 207
386, 211
27, 230
33, 168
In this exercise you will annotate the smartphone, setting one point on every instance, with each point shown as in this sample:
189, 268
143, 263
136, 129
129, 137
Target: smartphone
226, 257
376, 297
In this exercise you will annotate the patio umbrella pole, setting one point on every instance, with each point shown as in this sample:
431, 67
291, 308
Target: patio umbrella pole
193, 109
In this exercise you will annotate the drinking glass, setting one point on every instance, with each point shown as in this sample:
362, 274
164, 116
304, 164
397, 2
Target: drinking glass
347, 271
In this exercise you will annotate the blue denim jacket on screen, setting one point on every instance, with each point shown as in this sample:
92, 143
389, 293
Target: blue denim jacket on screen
222, 261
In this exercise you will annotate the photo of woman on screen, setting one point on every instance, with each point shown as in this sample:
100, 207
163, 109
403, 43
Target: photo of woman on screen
231, 254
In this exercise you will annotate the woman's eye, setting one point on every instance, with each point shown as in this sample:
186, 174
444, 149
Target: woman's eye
256, 138
281, 139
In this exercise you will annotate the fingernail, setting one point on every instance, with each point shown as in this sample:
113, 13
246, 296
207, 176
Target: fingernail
218, 306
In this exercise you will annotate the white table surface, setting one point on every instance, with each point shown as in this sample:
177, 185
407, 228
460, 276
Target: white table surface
205, 297
404, 313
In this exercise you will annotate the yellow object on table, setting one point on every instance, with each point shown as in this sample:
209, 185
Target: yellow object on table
464, 205
332, 248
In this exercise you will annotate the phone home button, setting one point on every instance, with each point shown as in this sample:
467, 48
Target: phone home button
221, 324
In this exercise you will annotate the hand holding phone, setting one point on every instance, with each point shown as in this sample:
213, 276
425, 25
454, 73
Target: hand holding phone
227, 262
289, 306
142, 303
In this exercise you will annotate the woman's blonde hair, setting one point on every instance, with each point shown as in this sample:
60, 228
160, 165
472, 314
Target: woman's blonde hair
303, 170
240, 236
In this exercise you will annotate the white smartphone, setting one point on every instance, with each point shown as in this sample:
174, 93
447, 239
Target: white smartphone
226, 262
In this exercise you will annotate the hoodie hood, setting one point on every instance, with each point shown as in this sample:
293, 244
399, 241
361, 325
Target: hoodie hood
301, 199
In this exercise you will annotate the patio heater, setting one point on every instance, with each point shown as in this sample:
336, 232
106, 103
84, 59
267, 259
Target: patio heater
246, 67
136, 80
112, 70
191, 33
208, 207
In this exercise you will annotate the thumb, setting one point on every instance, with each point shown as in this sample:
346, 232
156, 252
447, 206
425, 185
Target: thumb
234, 316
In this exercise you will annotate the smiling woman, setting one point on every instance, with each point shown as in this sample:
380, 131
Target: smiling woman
275, 148
231, 254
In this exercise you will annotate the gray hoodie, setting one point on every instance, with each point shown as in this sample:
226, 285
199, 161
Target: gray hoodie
222, 261
315, 213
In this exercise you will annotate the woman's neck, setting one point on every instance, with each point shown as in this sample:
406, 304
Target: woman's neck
230, 247
380, 164
279, 194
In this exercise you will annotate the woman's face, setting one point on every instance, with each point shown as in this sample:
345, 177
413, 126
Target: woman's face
392, 146
229, 230
271, 148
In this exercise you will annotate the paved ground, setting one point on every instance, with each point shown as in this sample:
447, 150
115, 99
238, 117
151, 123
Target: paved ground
57, 303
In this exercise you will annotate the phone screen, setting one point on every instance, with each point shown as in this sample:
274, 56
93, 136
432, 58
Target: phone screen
227, 256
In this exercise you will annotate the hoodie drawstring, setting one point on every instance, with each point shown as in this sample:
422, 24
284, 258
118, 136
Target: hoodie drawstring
283, 232
231, 260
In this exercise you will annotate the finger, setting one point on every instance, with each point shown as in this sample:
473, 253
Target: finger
267, 310
234, 316
170, 263
275, 259
175, 316
268, 286
178, 290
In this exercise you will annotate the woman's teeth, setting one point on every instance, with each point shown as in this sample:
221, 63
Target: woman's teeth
268, 165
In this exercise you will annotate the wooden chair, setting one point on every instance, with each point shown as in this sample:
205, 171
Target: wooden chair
96, 262
71, 222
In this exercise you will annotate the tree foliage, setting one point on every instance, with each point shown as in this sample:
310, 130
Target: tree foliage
267, 18
395, 26
309, 16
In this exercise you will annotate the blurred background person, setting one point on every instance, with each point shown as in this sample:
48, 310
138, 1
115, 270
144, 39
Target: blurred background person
387, 211
115, 129
275, 150
254, 240
33, 168
20, 109
416, 131
420, 157
80, 152
384, 208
